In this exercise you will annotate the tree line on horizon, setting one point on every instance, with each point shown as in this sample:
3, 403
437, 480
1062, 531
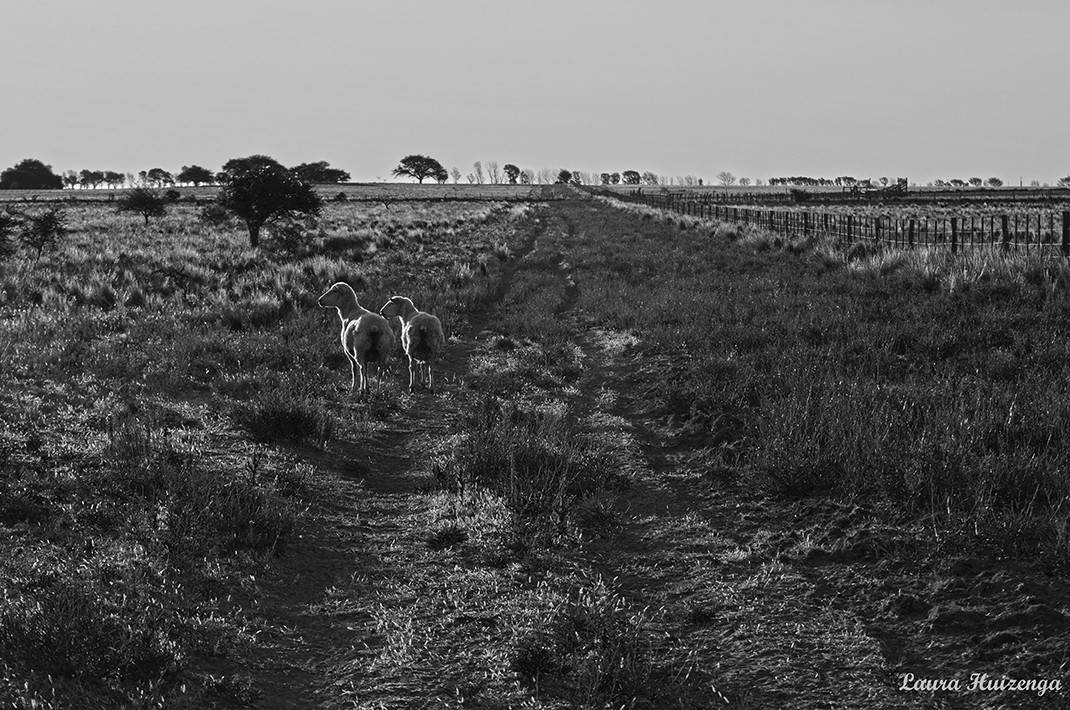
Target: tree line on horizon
33, 174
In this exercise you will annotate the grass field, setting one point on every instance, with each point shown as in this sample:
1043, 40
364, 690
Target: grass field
372, 192
673, 463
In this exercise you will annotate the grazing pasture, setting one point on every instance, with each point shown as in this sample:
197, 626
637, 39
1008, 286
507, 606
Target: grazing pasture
670, 462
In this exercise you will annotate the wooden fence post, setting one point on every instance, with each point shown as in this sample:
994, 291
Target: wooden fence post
954, 235
1005, 226
910, 235
877, 231
850, 220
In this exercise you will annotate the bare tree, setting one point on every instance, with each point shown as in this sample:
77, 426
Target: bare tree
478, 167
493, 173
455, 174
744, 181
726, 178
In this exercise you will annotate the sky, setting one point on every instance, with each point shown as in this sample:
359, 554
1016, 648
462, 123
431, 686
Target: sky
917, 89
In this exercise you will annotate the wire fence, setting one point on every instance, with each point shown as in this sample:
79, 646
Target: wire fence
1045, 230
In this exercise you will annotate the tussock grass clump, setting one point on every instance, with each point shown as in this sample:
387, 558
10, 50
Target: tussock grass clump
284, 415
97, 641
529, 458
197, 507
590, 648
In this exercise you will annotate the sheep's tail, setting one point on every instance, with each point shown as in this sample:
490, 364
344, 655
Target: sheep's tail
423, 349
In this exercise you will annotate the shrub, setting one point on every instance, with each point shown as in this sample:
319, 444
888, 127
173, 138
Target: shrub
8, 224
215, 214
144, 201
42, 230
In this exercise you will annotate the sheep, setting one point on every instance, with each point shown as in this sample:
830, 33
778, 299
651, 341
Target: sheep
366, 335
421, 337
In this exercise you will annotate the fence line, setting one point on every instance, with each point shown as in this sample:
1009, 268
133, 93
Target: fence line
1043, 230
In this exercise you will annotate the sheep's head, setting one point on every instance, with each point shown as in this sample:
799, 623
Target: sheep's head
397, 306
338, 296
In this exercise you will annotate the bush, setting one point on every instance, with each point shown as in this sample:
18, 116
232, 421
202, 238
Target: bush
215, 214
8, 224
42, 230
144, 201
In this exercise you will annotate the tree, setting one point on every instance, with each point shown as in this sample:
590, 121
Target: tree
320, 173
258, 189
1064, 181
113, 179
456, 175
511, 173
30, 174
195, 174
159, 177
976, 181
145, 201
630, 177
493, 173
563, 177
90, 178
70, 178
726, 178
478, 168
649, 178
527, 176
957, 183
994, 182
419, 167
744, 181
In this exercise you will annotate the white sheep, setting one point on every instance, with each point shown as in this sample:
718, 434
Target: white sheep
366, 336
421, 337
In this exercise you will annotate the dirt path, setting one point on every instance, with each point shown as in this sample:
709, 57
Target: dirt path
809, 603
314, 637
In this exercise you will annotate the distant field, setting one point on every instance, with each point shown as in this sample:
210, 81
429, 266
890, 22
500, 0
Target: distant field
372, 191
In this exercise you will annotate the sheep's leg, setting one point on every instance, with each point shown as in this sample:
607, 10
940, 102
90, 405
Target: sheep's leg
430, 377
352, 371
413, 374
363, 376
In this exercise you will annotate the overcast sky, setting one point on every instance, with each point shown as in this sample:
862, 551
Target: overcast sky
912, 88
